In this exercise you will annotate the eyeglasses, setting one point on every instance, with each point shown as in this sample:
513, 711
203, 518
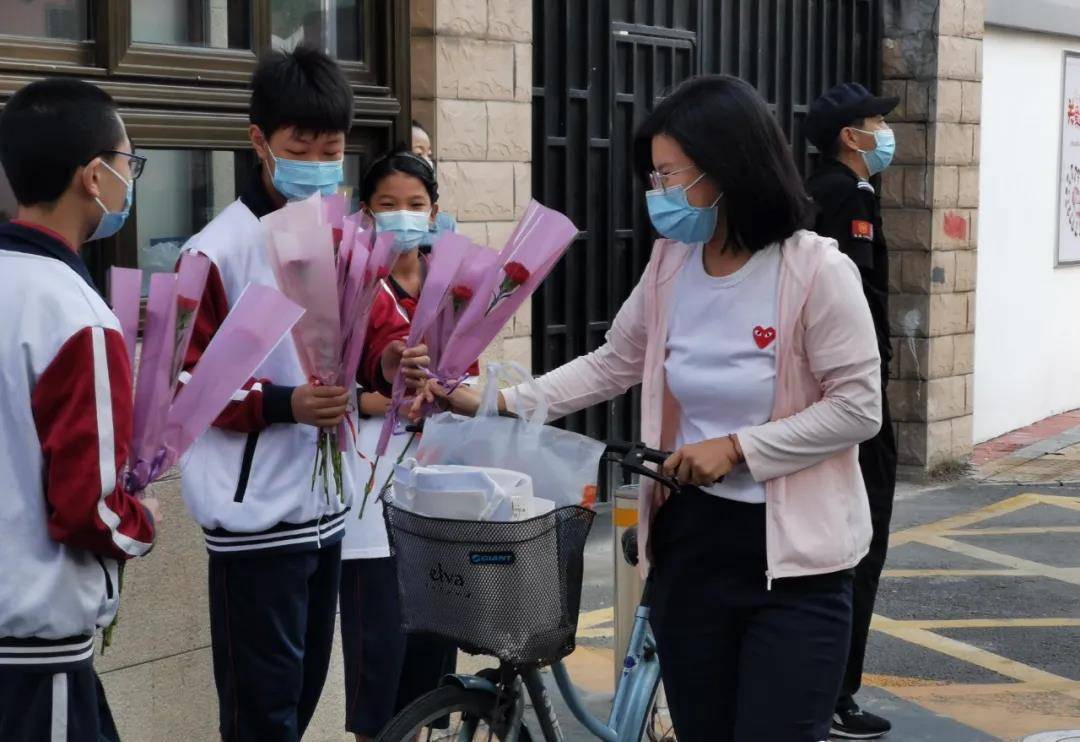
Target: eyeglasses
137, 163
657, 179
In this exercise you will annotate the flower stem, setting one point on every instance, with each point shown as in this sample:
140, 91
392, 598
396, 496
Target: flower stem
386, 484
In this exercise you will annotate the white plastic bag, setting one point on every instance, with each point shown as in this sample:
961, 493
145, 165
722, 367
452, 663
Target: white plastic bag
562, 464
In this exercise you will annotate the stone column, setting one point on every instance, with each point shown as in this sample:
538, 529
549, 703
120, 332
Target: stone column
472, 90
932, 55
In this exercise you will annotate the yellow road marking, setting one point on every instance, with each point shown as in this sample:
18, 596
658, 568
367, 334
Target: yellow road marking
899, 681
974, 689
984, 623
1065, 574
962, 520
599, 633
1015, 531
959, 573
589, 619
1062, 501
966, 652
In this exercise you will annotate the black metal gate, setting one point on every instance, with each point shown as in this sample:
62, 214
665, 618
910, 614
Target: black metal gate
598, 68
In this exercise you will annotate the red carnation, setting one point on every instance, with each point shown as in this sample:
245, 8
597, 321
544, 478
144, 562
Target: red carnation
185, 304
516, 272
461, 295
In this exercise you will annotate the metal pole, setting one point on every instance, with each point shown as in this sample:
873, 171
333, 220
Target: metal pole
628, 584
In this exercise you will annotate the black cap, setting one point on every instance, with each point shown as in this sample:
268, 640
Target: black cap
839, 107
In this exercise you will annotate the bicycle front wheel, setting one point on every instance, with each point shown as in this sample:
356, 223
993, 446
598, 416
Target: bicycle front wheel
450, 713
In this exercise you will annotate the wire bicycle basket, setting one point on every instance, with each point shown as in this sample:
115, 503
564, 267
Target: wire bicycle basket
506, 589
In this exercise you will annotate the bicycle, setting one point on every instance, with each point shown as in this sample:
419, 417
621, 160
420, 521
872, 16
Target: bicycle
491, 704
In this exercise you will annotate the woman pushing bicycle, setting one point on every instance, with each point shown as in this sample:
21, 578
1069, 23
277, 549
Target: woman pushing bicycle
759, 368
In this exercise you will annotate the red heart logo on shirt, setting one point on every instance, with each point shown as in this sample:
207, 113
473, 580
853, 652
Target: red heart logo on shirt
764, 336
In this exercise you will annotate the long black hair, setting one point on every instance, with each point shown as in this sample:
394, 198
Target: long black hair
725, 127
400, 160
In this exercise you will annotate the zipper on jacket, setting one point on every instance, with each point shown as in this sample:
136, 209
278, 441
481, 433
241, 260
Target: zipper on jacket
108, 577
245, 466
768, 564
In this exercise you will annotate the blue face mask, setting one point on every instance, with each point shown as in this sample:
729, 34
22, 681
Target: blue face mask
881, 156
675, 218
409, 227
298, 179
112, 221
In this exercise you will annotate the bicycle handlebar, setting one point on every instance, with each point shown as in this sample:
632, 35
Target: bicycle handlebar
632, 457
644, 453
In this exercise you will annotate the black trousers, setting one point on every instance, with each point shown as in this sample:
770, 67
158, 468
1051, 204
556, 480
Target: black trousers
106, 725
40, 706
742, 663
272, 628
877, 459
385, 669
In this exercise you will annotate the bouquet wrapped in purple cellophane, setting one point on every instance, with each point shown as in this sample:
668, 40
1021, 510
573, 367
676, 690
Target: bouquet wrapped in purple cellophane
331, 265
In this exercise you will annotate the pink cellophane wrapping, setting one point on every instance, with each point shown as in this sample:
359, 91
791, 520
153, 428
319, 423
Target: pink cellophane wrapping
435, 298
456, 336
190, 285
171, 310
537, 243
372, 260
261, 318
152, 383
335, 290
125, 289
301, 251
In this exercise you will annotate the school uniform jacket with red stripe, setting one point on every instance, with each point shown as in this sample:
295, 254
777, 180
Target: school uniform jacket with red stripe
248, 480
66, 416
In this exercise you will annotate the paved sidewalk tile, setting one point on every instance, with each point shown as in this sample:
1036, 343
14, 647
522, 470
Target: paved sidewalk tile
1045, 452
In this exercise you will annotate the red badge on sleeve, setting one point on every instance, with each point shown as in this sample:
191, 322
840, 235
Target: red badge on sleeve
862, 230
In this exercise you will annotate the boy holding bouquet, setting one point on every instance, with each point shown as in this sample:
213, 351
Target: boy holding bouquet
65, 409
273, 534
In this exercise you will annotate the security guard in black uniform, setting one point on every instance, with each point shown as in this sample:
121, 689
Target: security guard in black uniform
847, 126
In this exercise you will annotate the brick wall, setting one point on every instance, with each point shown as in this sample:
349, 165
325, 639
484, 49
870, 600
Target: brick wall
472, 90
933, 61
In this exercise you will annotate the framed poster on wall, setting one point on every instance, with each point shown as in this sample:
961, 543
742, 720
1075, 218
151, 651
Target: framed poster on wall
1068, 246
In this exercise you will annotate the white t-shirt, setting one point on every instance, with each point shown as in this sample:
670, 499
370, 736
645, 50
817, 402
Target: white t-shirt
365, 538
721, 356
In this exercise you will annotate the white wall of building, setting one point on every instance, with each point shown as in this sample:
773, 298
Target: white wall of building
1027, 328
